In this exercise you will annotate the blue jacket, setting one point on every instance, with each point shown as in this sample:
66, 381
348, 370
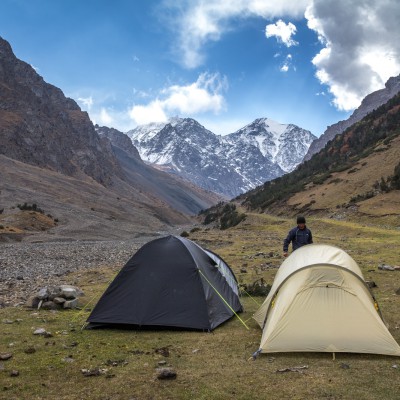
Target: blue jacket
298, 237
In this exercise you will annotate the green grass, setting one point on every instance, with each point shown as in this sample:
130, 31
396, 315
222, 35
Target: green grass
219, 369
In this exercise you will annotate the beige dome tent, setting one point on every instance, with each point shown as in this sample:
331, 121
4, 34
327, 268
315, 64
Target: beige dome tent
319, 301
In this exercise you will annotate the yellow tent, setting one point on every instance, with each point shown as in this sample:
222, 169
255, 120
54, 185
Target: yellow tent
319, 301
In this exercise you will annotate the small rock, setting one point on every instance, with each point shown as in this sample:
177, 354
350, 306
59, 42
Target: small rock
7, 321
14, 373
162, 362
395, 366
344, 366
43, 293
40, 331
166, 373
32, 302
49, 305
293, 369
67, 292
385, 267
68, 359
195, 351
371, 284
94, 372
243, 270
70, 304
5, 356
164, 351
30, 350
115, 363
91, 372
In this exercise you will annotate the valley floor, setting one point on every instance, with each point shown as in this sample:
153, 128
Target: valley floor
208, 365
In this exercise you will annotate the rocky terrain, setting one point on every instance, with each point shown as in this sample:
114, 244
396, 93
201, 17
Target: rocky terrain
370, 103
42, 127
27, 267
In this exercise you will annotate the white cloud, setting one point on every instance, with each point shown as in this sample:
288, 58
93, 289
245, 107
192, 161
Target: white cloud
285, 68
204, 95
283, 32
287, 64
361, 50
105, 118
200, 21
361, 47
152, 112
86, 102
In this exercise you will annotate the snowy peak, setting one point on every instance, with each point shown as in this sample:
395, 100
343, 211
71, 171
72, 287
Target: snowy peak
280, 143
228, 165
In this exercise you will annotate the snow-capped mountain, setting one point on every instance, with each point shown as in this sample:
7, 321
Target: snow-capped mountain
229, 165
280, 145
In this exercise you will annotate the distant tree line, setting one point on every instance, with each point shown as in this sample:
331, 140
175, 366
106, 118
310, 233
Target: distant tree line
224, 215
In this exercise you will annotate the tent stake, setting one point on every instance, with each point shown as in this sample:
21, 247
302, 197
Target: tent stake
333, 357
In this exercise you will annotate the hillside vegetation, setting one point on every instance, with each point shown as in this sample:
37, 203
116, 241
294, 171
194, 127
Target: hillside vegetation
361, 164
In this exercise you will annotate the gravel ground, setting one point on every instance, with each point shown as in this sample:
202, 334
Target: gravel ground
27, 267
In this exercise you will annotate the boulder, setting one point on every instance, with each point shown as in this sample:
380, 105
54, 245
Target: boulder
70, 303
43, 293
49, 305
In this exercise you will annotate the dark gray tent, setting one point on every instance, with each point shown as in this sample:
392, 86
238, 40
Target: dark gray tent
169, 282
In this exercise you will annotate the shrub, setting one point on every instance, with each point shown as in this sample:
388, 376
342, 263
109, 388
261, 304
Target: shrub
184, 234
30, 207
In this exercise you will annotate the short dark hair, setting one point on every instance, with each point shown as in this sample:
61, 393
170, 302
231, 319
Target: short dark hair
301, 219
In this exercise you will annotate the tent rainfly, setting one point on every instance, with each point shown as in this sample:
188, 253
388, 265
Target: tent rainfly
169, 282
319, 302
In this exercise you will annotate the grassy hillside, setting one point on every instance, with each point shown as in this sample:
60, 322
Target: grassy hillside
357, 171
208, 365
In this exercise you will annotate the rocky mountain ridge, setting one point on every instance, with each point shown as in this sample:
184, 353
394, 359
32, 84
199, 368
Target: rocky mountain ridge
40, 126
369, 103
229, 165
52, 157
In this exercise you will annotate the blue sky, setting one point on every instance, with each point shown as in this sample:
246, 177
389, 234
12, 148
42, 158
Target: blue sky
224, 63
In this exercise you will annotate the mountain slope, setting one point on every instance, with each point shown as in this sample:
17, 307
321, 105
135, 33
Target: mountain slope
40, 126
228, 165
84, 210
370, 103
46, 137
179, 194
356, 171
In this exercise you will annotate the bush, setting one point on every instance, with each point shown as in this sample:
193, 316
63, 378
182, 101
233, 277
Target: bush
30, 207
184, 234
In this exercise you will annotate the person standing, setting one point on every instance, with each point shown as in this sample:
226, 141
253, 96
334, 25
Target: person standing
299, 236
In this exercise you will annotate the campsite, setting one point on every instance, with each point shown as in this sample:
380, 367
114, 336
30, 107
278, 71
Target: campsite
123, 364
